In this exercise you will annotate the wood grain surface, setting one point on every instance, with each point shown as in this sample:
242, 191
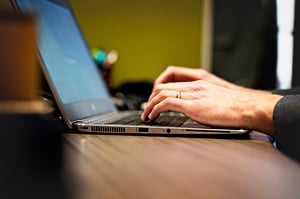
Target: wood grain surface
116, 166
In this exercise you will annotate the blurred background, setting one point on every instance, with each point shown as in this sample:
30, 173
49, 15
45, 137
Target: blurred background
148, 35
234, 39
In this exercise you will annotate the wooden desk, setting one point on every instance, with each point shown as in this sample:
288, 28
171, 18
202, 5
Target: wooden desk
110, 166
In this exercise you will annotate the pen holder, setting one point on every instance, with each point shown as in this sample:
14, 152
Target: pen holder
106, 74
105, 62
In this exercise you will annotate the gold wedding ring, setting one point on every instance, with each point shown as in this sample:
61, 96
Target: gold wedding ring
178, 94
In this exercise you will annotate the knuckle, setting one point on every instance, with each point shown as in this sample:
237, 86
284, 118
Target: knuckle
171, 67
168, 100
163, 94
157, 89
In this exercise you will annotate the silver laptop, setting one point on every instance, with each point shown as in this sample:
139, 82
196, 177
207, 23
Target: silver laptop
78, 88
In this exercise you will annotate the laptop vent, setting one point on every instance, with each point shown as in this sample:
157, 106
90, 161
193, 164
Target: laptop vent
108, 129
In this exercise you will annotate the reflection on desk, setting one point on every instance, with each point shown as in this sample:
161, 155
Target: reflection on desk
111, 166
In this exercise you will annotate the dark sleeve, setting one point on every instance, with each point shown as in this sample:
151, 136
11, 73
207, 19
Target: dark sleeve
286, 120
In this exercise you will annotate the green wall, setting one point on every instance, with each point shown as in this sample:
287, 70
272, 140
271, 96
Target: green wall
149, 35
5, 4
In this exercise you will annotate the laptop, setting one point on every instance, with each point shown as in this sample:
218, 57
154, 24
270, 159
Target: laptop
77, 86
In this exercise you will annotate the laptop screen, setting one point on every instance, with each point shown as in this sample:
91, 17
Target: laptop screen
69, 68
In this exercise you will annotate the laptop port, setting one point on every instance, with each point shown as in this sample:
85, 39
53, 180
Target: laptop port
143, 129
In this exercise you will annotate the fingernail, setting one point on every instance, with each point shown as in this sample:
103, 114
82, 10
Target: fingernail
150, 116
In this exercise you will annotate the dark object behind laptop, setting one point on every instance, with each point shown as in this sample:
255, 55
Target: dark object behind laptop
31, 157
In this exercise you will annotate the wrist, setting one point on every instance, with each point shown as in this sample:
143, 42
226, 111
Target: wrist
259, 115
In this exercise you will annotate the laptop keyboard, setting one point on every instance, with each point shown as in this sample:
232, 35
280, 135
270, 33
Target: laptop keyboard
163, 120
132, 119
166, 120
